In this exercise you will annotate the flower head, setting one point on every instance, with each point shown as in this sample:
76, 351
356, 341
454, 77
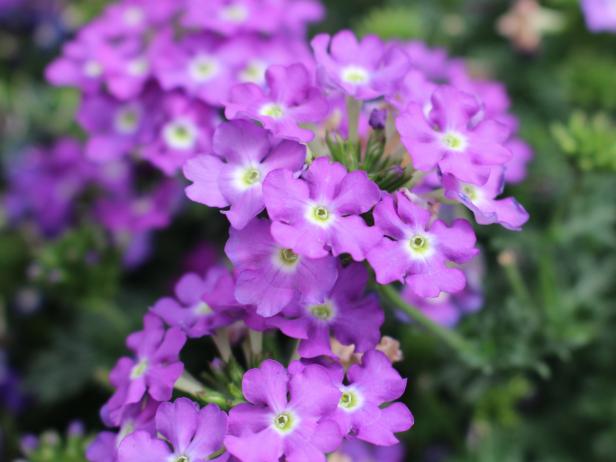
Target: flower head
418, 252
600, 15
285, 415
290, 100
243, 155
320, 212
271, 276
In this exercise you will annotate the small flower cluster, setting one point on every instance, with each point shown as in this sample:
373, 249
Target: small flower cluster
357, 165
154, 77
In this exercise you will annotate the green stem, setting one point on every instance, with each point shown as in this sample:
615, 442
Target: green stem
353, 107
189, 385
222, 342
447, 336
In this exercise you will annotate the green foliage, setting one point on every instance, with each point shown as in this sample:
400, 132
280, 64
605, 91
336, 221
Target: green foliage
589, 140
399, 22
589, 79
55, 448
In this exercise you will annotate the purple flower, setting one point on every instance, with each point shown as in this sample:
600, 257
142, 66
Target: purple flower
289, 101
285, 415
361, 411
448, 137
345, 312
115, 128
153, 370
184, 129
416, 251
128, 68
136, 417
45, 184
508, 212
358, 451
600, 15
197, 64
183, 433
270, 276
320, 212
365, 70
243, 155
515, 169
202, 305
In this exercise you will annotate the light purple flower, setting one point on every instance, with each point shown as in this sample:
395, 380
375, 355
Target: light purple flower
152, 371
184, 129
358, 451
600, 15
289, 101
345, 313
285, 415
515, 169
271, 276
128, 67
320, 212
202, 304
365, 69
434, 63
232, 176
184, 432
136, 417
416, 251
197, 64
448, 137
361, 411
481, 200
115, 128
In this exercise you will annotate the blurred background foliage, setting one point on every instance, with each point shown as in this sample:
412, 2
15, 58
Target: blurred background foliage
545, 335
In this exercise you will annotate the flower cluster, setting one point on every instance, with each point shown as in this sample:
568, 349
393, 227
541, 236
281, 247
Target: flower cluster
359, 164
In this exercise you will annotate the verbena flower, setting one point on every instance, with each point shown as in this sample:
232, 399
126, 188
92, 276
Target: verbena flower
344, 313
152, 371
417, 251
201, 304
285, 415
600, 15
481, 200
365, 69
271, 276
289, 101
358, 451
184, 433
232, 176
448, 138
364, 410
319, 213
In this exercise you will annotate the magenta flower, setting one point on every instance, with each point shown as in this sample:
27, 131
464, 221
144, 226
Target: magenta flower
184, 129
271, 276
345, 312
115, 128
508, 212
202, 304
600, 15
128, 68
183, 433
285, 415
417, 252
449, 138
197, 64
365, 70
153, 370
358, 451
320, 212
136, 417
289, 101
243, 155
515, 169
364, 410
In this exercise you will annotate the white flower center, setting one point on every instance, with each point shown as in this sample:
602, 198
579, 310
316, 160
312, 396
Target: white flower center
234, 13
285, 422
323, 312
202, 309
180, 135
139, 67
454, 141
319, 215
273, 110
126, 120
355, 75
351, 399
248, 177
133, 16
473, 193
286, 260
142, 207
139, 369
203, 68
254, 72
420, 246
92, 68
